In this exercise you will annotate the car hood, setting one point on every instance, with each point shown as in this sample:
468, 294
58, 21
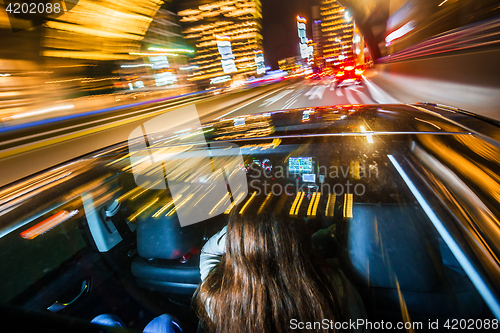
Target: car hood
335, 120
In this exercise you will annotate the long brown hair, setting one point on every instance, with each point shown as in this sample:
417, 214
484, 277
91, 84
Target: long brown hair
264, 280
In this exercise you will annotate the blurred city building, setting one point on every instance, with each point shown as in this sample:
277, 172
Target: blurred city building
22, 75
335, 43
293, 66
162, 61
259, 62
289, 65
317, 36
223, 33
83, 48
87, 46
97, 49
100, 30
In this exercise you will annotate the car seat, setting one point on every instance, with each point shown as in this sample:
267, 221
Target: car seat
168, 256
393, 254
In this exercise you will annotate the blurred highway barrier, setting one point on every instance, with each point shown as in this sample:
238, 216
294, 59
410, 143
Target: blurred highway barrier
47, 145
23, 104
458, 68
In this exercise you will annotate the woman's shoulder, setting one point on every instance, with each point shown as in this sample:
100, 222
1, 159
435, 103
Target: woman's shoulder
212, 252
217, 243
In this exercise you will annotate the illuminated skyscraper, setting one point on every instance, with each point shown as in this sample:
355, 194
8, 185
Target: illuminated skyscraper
305, 44
165, 50
226, 36
337, 32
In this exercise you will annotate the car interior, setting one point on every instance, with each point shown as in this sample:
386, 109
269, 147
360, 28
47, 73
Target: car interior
89, 238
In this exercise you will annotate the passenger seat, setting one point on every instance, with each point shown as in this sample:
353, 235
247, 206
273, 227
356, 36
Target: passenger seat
169, 258
393, 254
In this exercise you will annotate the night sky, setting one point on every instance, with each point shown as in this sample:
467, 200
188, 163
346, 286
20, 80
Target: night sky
279, 27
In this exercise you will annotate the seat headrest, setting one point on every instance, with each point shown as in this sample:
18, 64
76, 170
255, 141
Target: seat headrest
164, 238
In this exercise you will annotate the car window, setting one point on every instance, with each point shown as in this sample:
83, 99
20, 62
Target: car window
373, 207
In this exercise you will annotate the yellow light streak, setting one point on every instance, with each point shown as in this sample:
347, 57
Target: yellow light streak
224, 198
311, 204
330, 205
153, 54
118, 160
231, 206
300, 203
248, 203
131, 192
348, 198
144, 208
173, 210
170, 50
139, 194
264, 204
164, 208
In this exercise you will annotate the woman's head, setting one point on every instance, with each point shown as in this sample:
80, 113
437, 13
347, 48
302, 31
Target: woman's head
263, 245
264, 280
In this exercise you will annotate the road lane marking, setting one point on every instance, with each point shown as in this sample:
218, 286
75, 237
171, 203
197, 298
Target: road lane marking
364, 98
161, 107
355, 88
378, 94
316, 91
293, 99
276, 98
350, 97
238, 108
76, 134
331, 84
289, 104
